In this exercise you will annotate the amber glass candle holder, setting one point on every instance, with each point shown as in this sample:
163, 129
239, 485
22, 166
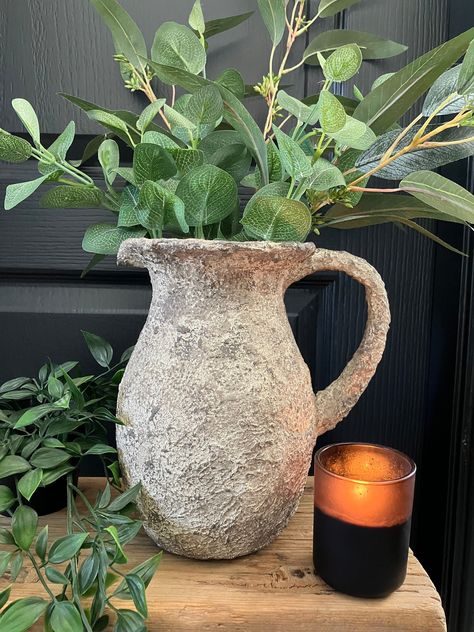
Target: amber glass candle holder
363, 499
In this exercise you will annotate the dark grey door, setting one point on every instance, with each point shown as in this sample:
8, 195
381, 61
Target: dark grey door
60, 45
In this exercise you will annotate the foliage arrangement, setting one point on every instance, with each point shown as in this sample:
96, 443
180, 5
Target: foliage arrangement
309, 165
47, 425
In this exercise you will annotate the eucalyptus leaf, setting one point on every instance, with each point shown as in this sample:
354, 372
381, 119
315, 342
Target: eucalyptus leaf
209, 195
13, 148
177, 46
220, 25
371, 46
328, 8
17, 193
442, 88
105, 239
465, 84
108, 119
181, 126
277, 219
78, 196
273, 13
389, 101
293, 158
28, 117
306, 114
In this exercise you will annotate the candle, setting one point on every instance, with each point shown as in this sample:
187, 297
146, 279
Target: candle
363, 498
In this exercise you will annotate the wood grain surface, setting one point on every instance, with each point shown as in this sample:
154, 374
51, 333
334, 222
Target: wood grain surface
273, 590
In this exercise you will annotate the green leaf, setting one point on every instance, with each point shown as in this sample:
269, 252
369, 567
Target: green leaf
235, 159
293, 158
77, 397
42, 543
55, 576
109, 158
389, 101
158, 138
29, 483
5, 596
105, 239
63, 142
343, 63
78, 196
308, 115
196, 18
439, 92
127, 37
65, 617
22, 614
328, 8
187, 159
145, 571
90, 150
24, 524
49, 476
325, 176
33, 414
14, 384
66, 547
28, 117
100, 349
16, 193
277, 219
6, 498
214, 27
16, 565
125, 498
233, 81
137, 589
371, 46
108, 120
205, 106
420, 159
128, 204
332, 114
16, 395
55, 387
129, 621
354, 134
120, 557
101, 448
465, 83
13, 464
6, 537
149, 113
446, 196
209, 195
88, 572
5, 559
157, 205
48, 458
177, 46
273, 13
152, 162
13, 148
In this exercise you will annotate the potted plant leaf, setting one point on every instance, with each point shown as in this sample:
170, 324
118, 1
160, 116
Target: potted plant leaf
215, 394
49, 423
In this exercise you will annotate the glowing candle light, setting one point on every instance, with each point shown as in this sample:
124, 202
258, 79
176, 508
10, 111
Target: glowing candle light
363, 498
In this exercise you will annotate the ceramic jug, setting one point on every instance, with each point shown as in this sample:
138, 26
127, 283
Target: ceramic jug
220, 419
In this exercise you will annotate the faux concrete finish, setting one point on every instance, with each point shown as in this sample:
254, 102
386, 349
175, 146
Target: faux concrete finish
220, 418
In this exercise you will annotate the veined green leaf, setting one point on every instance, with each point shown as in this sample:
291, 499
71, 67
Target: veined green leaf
109, 158
209, 195
17, 193
105, 239
205, 106
440, 193
22, 614
65, 617
127, 37
465, 83
196, 18
293, 158
214, 27
152, 162
177, 46
273, 13
149, 113
325, 176
354, 134
156, 204
158, 138
332, 114
137, 590
306, 114
108, 119
277, 219
389, 101
63, 142
439, 92
343, 63
42, 543
28, 117
66, 196
327, 8
128, 204
187, 159
233, 81
371, 46
13, 148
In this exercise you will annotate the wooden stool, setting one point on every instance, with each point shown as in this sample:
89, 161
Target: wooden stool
274, 590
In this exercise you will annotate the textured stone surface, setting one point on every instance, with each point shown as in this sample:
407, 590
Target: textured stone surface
220, 418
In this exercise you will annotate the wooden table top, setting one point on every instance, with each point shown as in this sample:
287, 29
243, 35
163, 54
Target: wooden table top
274, 590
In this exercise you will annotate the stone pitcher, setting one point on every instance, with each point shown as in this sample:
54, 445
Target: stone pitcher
220, 419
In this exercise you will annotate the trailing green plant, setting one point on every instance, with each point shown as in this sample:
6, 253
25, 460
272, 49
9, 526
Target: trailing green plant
311, 162
49, 423
80, 572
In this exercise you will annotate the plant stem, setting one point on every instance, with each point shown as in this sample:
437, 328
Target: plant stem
31, 557
46, 156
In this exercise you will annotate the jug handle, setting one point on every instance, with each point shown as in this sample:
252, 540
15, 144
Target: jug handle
334, 402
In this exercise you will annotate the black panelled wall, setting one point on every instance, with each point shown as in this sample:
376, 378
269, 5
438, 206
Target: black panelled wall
47, 46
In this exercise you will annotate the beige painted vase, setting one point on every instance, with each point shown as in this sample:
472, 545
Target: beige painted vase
220, 417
